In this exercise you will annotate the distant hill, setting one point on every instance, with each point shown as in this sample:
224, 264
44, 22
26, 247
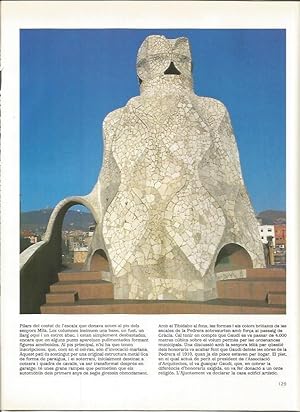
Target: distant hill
37, 220
272, 217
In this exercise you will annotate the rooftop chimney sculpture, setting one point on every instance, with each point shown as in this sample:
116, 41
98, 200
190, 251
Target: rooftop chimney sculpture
170, 203
170, 193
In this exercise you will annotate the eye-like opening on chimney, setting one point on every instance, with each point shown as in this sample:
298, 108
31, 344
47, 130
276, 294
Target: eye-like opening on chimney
172, 69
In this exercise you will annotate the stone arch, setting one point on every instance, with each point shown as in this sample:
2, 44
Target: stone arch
40, 263
54, 228
232, 257
99, 261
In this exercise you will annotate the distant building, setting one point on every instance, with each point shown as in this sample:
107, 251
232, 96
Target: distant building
266, 231
74, 239
88, 239
75, 244
32, 237
91, 230
80, 254
280, 236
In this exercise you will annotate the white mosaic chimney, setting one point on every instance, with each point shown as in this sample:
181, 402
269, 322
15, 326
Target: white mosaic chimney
173, 208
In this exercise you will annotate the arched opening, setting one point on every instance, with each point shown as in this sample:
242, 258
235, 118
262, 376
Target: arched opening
99, 261
69, 230
232, 257
76, 236
40, 263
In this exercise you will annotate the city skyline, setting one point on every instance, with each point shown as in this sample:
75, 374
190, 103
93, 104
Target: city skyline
72, 78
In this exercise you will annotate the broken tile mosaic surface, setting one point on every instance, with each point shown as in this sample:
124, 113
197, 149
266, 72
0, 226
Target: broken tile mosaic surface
171, 192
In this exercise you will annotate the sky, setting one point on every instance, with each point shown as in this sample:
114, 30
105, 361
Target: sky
72, 78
